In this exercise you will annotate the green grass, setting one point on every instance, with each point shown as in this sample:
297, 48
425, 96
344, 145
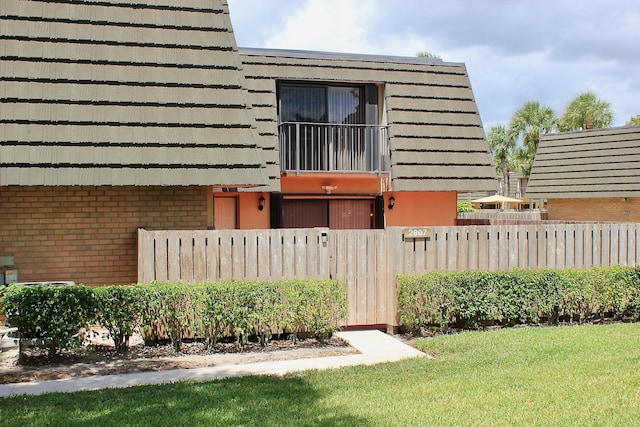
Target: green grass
566, 376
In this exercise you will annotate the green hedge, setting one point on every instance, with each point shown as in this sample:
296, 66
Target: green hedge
50, 314
177, 311
473, 298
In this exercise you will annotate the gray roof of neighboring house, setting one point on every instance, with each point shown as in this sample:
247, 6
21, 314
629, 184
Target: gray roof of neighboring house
596, 163
123, 93
436, 136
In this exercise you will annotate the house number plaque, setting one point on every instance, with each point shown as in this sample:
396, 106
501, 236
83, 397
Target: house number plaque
417, 233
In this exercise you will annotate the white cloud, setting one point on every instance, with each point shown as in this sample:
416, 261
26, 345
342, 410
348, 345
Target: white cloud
514, 51
324, 25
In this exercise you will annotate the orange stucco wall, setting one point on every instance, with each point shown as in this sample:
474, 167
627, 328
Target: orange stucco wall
418, 209
342, 183
251, 217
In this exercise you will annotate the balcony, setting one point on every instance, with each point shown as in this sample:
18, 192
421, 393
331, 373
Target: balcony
320, 147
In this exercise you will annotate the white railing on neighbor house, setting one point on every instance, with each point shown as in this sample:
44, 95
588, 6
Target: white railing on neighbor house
499, 214
314, 147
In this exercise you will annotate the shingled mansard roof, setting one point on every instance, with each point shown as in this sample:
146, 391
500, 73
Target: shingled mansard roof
118, 92
597, 163
436, 137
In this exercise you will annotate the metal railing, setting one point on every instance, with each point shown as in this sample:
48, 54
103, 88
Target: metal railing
309, 147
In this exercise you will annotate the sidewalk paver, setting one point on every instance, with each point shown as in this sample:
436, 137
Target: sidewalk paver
374, 347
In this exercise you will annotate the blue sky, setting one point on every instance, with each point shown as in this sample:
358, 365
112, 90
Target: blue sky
515, 51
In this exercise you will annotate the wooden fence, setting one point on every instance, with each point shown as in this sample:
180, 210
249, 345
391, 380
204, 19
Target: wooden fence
368, 260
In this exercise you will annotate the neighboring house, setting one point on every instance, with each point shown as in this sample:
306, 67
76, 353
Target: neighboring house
119, 115
589, 175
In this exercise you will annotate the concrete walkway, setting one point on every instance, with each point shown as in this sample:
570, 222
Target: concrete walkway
374, 347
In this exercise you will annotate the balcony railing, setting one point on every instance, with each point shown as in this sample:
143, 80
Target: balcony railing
312, 147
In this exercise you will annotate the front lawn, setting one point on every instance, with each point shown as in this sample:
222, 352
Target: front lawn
582, 375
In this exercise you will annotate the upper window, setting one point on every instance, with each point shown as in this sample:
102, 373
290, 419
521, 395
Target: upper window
325, 103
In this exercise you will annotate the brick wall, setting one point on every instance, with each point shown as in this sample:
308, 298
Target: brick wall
605, 210
88, 234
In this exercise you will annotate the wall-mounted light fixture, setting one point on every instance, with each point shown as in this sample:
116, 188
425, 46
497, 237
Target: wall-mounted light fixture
261, 202
329, 188
392, 202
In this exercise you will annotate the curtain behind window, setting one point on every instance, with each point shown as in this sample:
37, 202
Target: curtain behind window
344, 105
321, 104
303, 104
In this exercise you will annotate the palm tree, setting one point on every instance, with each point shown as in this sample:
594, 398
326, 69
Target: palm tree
527, 125
633, 121
425, 54
586, 111
502, 145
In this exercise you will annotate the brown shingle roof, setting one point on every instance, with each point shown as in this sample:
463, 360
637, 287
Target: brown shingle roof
117, 93
587, 164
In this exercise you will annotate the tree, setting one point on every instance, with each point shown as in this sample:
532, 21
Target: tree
527, 125
586, 111
502, 144
633, 121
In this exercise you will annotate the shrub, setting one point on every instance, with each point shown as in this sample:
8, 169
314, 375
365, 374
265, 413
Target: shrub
464, 206
51, 314
120, 312
517, 296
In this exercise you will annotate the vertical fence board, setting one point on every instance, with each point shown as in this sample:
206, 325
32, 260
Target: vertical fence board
633, 244
311, 254
597, 246
523, 240
384, 285
472, 248
226, 262
288, 254
453, 253
161, 256
324, 257
561, 246
513, 248
623, 232
533, 238
361, 255
186, 256
299, 254
213, 254
238, 260
614, 245
441, 245
419, 256
147, 264
352, 285
637, 244
251, 255
263, 267
484, 248
276, 249
493, 236
578, 254
173, 255
199, 257
606, 244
